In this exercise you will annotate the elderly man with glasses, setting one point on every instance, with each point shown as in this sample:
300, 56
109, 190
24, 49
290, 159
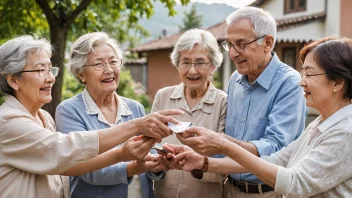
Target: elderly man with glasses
266, 107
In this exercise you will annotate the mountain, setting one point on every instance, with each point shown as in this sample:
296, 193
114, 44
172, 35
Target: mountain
212, 14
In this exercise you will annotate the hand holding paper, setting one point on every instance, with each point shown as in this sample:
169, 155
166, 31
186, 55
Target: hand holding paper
180, 127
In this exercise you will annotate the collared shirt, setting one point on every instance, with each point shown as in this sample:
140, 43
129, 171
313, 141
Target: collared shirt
81, 113
270, 113
134, 189
31, 157
93, 109
318, 163
210, 113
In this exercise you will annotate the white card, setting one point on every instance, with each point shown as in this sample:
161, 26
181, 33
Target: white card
180, 127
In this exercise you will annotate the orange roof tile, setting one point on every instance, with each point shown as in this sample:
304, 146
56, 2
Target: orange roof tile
219, 31
285, 23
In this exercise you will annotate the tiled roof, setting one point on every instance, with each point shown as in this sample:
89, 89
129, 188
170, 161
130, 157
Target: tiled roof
285, 23
218, 30
163, 43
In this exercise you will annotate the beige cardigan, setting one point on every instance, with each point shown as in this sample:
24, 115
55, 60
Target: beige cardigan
31, 157
210, 113
318, 163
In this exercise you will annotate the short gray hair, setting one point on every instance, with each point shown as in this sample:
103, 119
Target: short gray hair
263, 22
201, 37
84, 45
14, 54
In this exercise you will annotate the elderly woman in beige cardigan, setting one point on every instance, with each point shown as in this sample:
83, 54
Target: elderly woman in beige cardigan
34, 158
196, 56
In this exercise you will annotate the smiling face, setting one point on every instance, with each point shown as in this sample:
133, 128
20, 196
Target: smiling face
318, 89
195, 79
32, 90
105, 81
253, 60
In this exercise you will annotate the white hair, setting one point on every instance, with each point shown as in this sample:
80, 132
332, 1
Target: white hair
202, 38
86, 44
14, 54
263, 22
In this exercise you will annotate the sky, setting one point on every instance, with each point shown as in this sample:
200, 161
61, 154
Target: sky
233, 3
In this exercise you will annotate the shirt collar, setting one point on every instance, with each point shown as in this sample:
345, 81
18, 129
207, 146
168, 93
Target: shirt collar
335, 118
13, 102
92, 108
208, 98
266, 77
123, 109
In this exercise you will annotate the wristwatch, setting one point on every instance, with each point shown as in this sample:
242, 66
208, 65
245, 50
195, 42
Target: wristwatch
198, 173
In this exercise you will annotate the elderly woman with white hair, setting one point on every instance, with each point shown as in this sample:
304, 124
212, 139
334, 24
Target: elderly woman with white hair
34, 157
96, 61
196, 56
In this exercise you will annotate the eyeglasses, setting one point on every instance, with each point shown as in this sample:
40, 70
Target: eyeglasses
44, 73
114, 64
238, 47
197, 66
304, 75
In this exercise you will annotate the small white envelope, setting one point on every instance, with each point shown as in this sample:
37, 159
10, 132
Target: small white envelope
180, 127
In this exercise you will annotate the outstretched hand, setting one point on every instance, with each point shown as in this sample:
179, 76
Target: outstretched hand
140, 166
184, 158
137, 148
202, 140
189, 160
155, 124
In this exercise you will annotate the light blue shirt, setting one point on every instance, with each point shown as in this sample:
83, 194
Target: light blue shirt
270, 113
80, 113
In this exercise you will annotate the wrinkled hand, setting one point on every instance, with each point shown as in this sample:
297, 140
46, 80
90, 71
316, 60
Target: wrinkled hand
189, 160
140, 166
136, 148
163, 166
155, 124
171, 162
202, 140
165, 159
186, 159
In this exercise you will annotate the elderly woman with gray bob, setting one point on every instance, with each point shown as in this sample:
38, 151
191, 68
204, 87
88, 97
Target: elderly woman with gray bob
196, 56
34, 158
96, 61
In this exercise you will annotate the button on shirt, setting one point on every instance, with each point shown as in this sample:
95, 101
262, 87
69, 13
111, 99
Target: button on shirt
208, 113
270, 112
318, 163
81, 113
31, 156
134, 188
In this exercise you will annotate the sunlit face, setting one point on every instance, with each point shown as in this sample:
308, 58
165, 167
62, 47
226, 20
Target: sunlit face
30, 87
318, 89
105, 81
251, 61
195, 79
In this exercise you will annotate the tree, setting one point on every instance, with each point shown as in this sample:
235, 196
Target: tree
69, 18
191, 20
